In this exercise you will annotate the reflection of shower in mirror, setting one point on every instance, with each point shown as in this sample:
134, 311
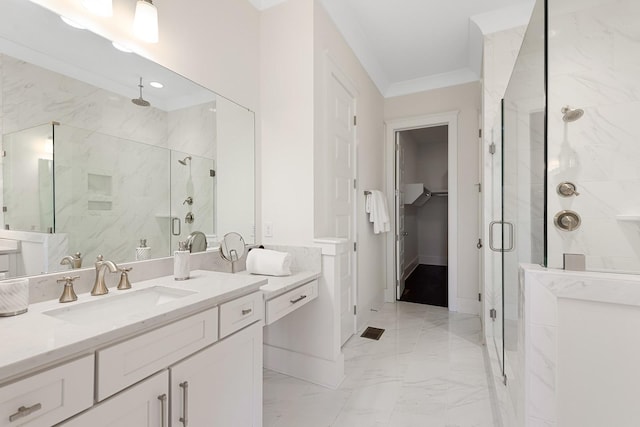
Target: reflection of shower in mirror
185, 160
571, 114
140, 101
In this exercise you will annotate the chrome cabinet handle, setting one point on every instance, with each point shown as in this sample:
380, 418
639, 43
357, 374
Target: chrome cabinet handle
185, 403
246, 311
23, 411
163, 410
300, 298
173, 226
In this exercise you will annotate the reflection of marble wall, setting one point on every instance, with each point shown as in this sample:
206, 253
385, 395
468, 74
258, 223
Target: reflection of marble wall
594, 63
106, 198
105, 137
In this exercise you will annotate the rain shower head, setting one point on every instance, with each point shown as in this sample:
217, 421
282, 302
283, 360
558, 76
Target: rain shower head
571, 114
185, 160
140, 101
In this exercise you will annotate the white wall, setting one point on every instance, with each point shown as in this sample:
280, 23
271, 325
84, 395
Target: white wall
466, 99
287, 105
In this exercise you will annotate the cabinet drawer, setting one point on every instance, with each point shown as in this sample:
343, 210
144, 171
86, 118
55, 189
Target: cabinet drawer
130, 361
241, 312
284, 304
49, 397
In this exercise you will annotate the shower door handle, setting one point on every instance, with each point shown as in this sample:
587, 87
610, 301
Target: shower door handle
511, 246
173, 226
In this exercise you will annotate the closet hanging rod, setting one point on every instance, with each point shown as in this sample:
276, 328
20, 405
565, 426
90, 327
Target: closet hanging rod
440, 193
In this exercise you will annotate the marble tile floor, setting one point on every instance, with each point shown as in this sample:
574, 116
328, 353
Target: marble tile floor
427, 370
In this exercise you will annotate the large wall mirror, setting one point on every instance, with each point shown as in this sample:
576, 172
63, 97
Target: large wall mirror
98, 157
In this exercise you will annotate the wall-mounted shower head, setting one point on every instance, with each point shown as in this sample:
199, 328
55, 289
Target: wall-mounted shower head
185, 160
140, 101
571, 114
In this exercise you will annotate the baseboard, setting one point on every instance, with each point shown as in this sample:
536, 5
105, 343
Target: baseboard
410, 267
327, 373
433, 260
468, 306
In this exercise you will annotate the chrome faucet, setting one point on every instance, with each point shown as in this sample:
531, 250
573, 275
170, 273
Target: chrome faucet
100, 287
74, 261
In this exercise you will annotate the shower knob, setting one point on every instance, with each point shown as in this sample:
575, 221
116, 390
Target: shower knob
567, 189
567, 220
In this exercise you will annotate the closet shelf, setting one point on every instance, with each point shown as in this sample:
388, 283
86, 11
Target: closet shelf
417, 194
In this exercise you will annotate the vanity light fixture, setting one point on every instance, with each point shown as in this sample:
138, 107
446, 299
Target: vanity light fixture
145, 21
99, 7
157, 85
72, 23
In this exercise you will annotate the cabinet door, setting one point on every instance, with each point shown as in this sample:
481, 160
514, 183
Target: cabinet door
143, 405
221, 385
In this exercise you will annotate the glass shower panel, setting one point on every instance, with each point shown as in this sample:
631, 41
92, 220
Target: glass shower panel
523, 188
110, 193
27, 174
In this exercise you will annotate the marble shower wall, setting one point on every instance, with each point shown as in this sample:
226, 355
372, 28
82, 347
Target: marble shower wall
112, 159
594, 63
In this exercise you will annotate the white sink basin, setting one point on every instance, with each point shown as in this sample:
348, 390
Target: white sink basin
108, 309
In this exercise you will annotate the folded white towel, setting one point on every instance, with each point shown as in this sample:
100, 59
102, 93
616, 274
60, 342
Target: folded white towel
376, 206
268, 262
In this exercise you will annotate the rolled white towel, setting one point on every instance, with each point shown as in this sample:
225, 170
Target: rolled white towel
268, 262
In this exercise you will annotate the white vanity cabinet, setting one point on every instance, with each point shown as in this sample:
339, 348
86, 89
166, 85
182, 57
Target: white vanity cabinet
220, 385
144, 404
48, 397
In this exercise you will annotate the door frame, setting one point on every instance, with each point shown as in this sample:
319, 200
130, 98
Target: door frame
397, 125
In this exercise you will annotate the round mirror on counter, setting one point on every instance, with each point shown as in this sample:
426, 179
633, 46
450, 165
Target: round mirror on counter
232, 246
197, 242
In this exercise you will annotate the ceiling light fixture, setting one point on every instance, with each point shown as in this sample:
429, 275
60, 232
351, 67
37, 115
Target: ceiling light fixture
145, 21
99, 7
157, 85
72, 23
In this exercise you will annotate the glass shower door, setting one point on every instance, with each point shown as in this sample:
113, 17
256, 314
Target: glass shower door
523, 192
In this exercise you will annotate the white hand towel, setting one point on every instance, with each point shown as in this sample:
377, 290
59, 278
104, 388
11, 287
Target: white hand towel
268, 262
379, 213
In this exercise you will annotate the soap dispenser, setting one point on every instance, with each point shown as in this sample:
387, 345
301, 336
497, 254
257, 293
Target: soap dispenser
181, 262
142, 251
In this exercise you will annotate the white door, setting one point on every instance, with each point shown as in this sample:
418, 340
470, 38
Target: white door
400, 231
342, 138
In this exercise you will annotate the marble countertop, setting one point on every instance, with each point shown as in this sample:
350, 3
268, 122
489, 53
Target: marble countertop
606, 287
278, 285
35, 340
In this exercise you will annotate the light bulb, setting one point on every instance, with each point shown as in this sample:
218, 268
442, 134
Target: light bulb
99, 7
145, 21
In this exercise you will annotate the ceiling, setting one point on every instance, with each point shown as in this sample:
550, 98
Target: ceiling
409, 46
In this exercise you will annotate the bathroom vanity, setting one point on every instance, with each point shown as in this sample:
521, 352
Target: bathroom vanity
163, 353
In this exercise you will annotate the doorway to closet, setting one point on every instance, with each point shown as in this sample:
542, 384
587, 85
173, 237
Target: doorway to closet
422, 176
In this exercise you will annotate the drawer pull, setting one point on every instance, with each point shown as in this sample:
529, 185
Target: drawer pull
246, 311
300, 298
23, 411
185, 403
163, 410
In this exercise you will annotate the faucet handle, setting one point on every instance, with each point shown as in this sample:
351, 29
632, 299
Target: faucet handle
99, 258
124, 278
68, 294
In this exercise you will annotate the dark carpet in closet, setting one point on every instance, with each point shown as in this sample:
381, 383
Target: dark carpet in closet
427, 285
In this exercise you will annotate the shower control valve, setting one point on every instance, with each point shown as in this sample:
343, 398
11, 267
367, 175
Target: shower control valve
188, 201
567, 189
